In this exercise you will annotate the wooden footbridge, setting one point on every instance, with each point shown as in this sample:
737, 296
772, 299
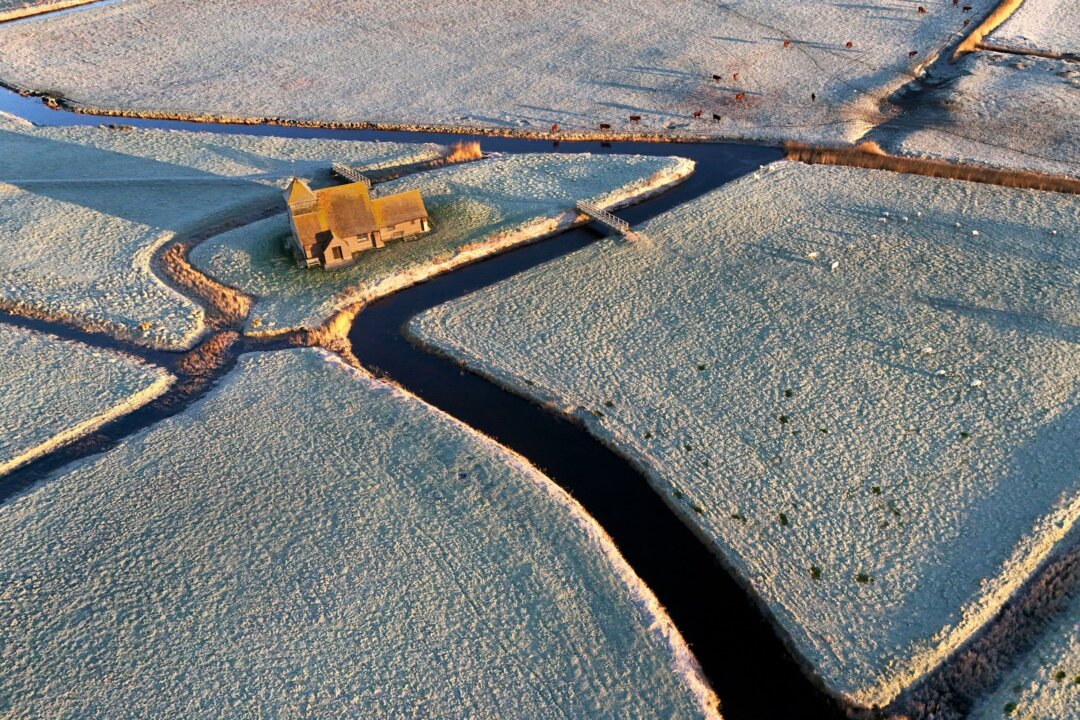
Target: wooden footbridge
352, 174
605, 218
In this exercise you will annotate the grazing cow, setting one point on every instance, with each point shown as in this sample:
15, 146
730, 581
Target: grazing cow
913, 53
966, 8
813, 97
965, 23
605, 126
739, 97
715, 116
735, 77
847, 44
697, 113
787, 43
955, 2
635, 118
922, 10
555, 128
716, 78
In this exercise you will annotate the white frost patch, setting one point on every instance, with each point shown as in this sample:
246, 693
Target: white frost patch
1047, 25
996, 109
476, 209
1046, 683
880, 500
55, 391
309, 542
83, 210
517, 65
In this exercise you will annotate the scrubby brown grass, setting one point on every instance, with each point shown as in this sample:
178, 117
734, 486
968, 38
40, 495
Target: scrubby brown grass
223, 303
199, 366
332, 335
869, 155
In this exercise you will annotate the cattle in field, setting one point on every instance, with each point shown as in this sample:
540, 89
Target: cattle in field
635, 118
715, 116
697, 113
605, 126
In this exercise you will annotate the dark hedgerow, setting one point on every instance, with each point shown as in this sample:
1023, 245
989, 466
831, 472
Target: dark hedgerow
863, 578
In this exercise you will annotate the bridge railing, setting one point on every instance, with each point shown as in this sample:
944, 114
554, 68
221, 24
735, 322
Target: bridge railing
603, 216
349, 173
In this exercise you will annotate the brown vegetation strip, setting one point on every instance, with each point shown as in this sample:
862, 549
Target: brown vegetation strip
869, 155
997, 16
60, 103
223, 302
31, 10
197, 368
1016, 50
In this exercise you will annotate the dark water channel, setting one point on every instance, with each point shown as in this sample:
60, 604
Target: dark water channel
739, 651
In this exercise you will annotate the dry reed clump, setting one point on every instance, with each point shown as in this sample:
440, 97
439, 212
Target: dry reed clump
951, 692
869, 155
464, 151
223, 302
999, 15
332, 335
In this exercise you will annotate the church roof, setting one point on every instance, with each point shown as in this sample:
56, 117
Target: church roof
347, 211
298, 191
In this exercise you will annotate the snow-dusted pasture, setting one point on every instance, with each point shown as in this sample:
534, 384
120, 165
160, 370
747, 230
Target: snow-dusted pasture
56, 391
476, 209
308, 542
519, 65
999, 110
860, 387
1046, 25
1045, 685
83, 210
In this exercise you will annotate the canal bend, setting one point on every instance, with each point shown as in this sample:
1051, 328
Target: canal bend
746, 662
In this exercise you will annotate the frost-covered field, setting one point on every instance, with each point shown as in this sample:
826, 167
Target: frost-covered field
83, 210
1004, 110
1000, 110
1048, 25
883, 450
525, 64
476, 209
56, 391
1046, 684
309, 542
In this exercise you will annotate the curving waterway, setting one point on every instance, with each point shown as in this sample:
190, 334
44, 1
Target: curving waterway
744, 659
